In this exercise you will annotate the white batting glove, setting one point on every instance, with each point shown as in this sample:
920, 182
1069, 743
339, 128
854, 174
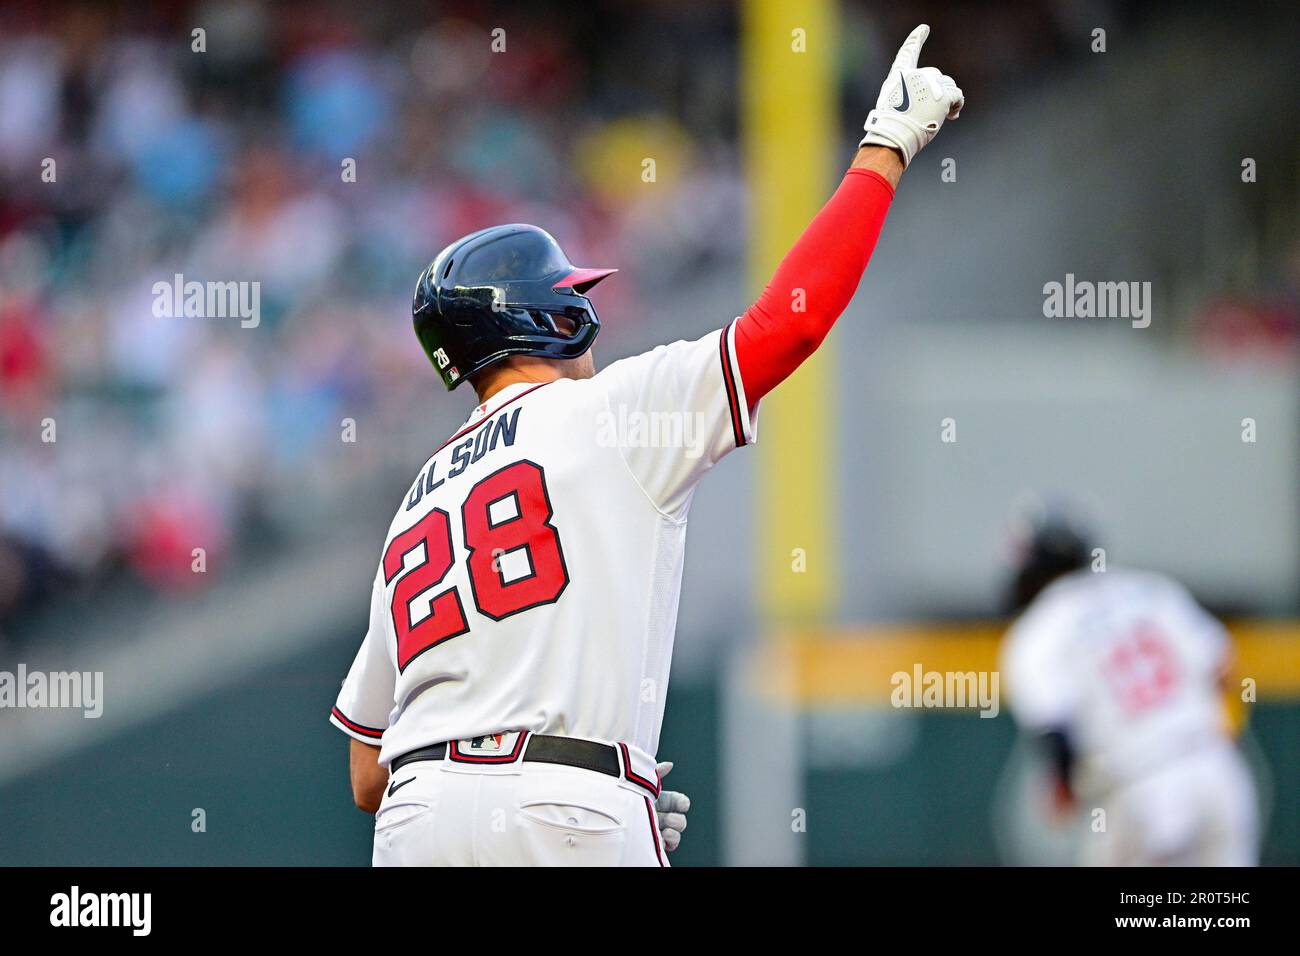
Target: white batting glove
913, 103
671, 808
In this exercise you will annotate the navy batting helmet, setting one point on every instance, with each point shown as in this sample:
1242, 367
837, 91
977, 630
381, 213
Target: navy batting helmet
507, 290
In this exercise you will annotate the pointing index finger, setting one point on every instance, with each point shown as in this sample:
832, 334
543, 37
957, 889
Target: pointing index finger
910, 52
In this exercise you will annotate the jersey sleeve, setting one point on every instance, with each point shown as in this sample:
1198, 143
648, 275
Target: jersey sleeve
674, 411
1040, 685
1215, 645
367, 697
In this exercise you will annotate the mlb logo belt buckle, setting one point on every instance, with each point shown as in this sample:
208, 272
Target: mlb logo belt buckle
489, 749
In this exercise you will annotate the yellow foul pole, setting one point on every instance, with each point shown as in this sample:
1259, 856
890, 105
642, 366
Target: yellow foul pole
789, 133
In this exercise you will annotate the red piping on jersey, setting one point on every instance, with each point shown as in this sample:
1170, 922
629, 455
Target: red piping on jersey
486, 415
632, 775
353, 725
733, 400
813, 284
654, 830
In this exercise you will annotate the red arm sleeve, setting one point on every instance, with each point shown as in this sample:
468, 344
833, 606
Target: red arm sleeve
827, 262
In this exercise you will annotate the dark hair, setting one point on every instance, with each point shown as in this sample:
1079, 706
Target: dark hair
1055, 548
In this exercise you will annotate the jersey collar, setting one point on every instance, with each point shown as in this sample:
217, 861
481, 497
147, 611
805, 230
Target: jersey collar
500, 398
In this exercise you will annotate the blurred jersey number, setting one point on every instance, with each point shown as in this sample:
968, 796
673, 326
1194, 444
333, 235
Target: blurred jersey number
1140, 669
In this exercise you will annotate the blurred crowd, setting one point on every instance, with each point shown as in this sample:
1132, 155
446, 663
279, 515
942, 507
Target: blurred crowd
326, 151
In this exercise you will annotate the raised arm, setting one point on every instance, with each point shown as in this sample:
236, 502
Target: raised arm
817, 278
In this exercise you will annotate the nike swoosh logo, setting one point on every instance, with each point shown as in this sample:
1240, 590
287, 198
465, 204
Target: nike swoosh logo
395, 786
907, 100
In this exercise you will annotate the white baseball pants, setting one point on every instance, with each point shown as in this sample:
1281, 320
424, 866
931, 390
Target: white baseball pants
1200, 810
441, 813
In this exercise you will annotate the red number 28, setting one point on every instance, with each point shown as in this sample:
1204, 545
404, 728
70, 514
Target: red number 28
514, 559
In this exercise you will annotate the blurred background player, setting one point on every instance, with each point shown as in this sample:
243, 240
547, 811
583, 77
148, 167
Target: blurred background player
1120, 674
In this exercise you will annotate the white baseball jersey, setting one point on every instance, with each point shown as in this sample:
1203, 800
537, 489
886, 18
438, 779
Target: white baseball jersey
1126, 663
530, 580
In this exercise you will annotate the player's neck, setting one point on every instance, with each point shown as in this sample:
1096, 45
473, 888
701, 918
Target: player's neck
495, 379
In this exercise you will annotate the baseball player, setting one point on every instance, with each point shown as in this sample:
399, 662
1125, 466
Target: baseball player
505, 704
1120, 674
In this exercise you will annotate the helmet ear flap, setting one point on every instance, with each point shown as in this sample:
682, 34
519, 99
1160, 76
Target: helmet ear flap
556, 323
544, 321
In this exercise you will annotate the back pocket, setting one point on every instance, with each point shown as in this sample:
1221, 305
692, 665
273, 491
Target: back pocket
563, 832
570, 817
396, 814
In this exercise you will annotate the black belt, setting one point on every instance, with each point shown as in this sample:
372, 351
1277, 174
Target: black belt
541, 748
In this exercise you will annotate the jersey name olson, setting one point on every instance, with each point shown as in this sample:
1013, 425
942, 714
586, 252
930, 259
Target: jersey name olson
500, 432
